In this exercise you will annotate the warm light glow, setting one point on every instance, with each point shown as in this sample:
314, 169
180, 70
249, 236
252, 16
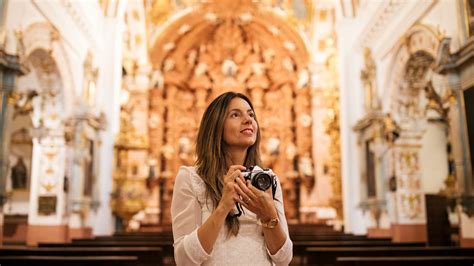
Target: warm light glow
124, 97
91, 93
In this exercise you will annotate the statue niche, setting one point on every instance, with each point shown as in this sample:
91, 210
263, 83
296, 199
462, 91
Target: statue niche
19, 174
368, 78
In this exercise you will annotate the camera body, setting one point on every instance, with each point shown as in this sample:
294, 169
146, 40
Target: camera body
260, 178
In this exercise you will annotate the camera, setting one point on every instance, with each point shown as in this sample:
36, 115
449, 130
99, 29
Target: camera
260, 178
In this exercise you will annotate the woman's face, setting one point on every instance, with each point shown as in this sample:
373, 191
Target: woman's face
240, 127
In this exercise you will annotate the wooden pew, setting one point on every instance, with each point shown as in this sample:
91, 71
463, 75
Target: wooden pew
299, 247
329, 255
166, 245
361, 243
146, 256
170, 234
133, 238
396, 261
334, 237
294, 238
68, 260
313, 230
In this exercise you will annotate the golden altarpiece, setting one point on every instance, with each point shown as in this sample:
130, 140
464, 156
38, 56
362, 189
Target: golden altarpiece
219, 46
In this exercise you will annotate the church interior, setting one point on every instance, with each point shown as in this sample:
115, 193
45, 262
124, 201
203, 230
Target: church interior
366, 109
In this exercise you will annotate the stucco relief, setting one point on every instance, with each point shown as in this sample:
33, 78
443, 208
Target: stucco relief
411, 70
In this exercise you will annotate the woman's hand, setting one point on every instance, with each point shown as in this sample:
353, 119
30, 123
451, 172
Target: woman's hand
255, 200
229, 194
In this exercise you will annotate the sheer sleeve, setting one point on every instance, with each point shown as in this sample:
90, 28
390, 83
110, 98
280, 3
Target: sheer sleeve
285, 254
186, 219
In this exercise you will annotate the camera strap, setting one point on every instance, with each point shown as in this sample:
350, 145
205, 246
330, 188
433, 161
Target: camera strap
239, 211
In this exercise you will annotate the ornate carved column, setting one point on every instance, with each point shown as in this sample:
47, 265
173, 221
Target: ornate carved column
10, 68
156, 124
334, 165
410, 201
461, 116
131, 150
47, 196
415, 61
257, 85
81, 182
47, 207
373, 149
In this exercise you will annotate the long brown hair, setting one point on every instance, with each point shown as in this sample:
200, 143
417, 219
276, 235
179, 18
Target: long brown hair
211, 151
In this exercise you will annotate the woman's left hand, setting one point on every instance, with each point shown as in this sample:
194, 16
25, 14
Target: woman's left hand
255, 200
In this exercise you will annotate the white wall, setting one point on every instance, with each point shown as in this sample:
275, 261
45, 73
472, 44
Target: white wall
433, 158
355, 33
351, 106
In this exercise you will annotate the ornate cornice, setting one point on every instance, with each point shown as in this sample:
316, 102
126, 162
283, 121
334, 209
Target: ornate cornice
452, 62
389, 23
375, 26
79, 18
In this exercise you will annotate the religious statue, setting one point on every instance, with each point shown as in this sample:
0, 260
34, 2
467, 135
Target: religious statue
19, 174
306, 170
391, 129
367, 75
437, 103
66, 184
151, 176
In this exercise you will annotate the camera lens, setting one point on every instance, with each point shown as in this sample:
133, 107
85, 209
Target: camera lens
262, 181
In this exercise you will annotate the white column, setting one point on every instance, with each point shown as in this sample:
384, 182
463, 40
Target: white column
351, 101
108, 98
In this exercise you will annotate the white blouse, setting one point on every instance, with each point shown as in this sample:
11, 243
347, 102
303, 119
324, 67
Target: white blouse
189, 210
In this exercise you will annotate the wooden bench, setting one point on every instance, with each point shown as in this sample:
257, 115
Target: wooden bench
146, 256
361, 243
133, 238
416, 261
68, 260
329, 255
299, 247
167, 246
313, 229
168, 233
333, 237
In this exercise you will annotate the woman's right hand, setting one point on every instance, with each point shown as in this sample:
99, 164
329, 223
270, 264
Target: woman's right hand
229, 194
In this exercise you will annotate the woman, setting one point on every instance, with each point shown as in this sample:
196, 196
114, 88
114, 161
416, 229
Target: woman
206, 229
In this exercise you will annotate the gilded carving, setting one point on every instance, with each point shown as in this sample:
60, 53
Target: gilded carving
225, 51
334, 163
411, 205
221, 45
441, 105
91, 74
368, 77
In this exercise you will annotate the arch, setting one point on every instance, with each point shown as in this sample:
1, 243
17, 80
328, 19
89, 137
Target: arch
198, 25
414, 59
420, 39
44, 36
